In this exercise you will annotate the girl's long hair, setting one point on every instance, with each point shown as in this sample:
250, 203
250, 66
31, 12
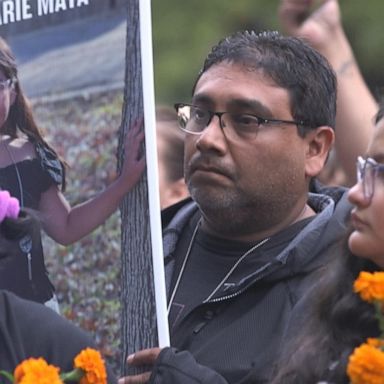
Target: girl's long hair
20, 117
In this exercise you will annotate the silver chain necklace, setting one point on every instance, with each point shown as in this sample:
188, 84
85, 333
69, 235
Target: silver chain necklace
242, 257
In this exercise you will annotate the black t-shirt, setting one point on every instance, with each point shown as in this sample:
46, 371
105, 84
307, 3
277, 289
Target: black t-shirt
210, 260
24, 273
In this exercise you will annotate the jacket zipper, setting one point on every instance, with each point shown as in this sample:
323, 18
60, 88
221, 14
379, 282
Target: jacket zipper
262, 274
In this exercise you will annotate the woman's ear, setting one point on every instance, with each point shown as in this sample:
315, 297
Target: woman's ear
319, 141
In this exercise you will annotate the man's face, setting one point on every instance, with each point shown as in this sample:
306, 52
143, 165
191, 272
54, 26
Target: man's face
245, 186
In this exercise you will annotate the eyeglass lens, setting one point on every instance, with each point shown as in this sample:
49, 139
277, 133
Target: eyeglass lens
368, 179
236, 126
195, 120
366, 175
4, 84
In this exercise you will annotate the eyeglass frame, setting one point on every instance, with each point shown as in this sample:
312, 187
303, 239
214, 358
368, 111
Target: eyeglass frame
361, 168
211, 114
7, 83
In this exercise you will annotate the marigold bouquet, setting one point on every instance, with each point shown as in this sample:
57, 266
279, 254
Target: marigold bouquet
366, 363
89, 368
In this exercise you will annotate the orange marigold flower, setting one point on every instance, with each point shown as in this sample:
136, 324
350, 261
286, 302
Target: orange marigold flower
91, 362
370, 286
366, 364
36, 371
377, 343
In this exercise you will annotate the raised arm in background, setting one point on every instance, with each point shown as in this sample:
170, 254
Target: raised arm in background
322, 27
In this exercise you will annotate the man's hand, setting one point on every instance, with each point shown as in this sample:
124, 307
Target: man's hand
145, 357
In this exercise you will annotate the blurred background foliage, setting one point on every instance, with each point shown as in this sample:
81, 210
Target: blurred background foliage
184, 31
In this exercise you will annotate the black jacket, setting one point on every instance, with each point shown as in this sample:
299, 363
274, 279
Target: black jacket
29, 329
235, 336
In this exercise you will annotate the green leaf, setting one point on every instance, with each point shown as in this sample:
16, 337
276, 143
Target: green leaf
7, 375
74, 375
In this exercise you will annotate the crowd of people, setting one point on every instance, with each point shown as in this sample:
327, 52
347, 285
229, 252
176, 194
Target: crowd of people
265, 225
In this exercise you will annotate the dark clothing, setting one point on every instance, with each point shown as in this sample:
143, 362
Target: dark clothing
30, 329
34, 181
212, 259
235, 333
173, 366
25, 273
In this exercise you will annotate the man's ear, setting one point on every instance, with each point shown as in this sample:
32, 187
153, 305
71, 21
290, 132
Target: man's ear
319, 141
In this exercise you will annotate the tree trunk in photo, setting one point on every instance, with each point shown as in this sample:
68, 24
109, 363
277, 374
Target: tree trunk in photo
138, 310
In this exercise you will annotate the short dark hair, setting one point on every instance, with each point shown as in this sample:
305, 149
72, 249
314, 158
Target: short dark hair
291, 64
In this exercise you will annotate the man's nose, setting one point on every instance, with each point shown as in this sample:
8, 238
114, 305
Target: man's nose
213, 137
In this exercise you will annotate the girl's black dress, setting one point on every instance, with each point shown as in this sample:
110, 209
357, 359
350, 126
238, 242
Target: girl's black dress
24, 272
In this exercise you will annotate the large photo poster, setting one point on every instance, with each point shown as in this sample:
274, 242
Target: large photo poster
70, 57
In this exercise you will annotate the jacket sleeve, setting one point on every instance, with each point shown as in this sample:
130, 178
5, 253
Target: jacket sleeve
174, 367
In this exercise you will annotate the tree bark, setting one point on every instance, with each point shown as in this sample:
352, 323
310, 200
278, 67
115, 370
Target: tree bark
138, 310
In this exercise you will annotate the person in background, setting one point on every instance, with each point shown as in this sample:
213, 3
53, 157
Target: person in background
170, 150
31, 170
29, 329
319, 23
334, 320
244, 249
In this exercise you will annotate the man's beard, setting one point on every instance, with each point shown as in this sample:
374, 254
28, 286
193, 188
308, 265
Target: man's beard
231, 213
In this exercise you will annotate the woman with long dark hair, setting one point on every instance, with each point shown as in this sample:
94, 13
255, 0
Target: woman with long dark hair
333, 320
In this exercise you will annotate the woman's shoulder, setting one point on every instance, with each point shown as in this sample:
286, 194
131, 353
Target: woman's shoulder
19, 148
50, 162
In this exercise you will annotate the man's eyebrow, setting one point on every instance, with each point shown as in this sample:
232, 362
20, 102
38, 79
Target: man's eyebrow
202, 99
251, 105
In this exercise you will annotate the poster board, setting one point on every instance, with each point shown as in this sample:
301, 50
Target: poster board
71, 60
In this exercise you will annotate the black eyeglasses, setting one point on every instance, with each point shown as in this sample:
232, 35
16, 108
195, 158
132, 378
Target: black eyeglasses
194, 120
367, 172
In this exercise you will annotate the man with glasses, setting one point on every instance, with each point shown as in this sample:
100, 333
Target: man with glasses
244, 249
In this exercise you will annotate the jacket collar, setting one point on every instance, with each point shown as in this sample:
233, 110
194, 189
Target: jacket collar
303, 254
